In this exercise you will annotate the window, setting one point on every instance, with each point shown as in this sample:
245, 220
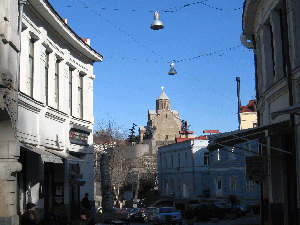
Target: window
250, 185
179, 160
171, 161
70, 90
272, 48
233, 183
166, 162
206, 158
219, 183
218, 155
80, 96
186, 159
179, 187
46, 76
254, 125
31, 67
56, 81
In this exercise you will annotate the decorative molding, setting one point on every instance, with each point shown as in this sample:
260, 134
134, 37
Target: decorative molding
8, 97
79, 64
50, 44
28, 106
26, 137
80, 122
36, 29
55, 114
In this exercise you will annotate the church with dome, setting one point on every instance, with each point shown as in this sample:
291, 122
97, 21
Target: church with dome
163, 124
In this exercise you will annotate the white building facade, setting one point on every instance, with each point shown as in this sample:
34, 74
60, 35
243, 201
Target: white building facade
183, 169
272, 29
54, 119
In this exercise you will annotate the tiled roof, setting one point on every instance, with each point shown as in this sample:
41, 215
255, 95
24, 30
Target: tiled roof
179, 139
250, 107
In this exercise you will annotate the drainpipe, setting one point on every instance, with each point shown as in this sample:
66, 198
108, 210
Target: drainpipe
22, 3
193, 161
261, 183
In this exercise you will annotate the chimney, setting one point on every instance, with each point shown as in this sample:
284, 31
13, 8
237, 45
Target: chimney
87, 40
238, 79
65, 20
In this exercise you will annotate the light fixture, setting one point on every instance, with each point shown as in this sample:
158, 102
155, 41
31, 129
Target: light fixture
156, 24
172, 70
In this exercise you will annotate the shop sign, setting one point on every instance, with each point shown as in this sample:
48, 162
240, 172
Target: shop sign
77, 137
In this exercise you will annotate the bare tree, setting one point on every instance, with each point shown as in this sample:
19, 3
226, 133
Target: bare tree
106, 136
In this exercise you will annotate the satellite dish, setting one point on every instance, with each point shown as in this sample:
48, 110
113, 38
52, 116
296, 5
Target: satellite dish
128, 195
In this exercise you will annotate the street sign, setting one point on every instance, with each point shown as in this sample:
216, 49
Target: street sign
128, 195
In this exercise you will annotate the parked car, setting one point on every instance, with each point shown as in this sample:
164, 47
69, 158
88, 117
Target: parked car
206, 211
167, 215
121, 210
243, 210
136, 215
226, 208
148, 214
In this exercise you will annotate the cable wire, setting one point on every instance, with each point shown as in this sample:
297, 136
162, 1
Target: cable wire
169, 10
122, 31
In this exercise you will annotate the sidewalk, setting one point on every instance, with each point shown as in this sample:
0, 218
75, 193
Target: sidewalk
254, 220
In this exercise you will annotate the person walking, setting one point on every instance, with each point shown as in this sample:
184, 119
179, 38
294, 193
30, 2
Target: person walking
86, 202
29, 217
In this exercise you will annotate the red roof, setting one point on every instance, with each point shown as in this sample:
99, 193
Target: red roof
250, 107
179, 139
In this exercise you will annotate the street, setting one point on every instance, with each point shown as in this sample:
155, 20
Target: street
254, 220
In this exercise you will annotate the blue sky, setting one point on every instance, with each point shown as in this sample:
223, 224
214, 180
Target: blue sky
137, 59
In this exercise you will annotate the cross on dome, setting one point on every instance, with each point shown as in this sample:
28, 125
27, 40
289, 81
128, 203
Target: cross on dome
162, 88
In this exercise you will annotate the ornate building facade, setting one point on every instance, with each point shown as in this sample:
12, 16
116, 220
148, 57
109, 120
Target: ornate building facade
46, 108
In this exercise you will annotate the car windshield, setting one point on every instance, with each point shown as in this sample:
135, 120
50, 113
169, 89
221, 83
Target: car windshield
149, 210
167, 210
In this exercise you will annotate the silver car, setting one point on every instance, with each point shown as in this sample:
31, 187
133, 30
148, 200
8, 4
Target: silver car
167, 215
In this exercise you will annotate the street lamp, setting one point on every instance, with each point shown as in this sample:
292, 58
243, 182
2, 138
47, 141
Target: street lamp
156, 24
172, 70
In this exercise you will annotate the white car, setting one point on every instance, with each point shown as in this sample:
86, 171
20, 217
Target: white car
167, 215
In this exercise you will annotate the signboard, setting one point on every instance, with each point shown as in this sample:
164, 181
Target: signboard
80, 138
255, 168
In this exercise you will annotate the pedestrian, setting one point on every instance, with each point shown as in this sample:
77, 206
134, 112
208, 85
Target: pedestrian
86, 202
29, 217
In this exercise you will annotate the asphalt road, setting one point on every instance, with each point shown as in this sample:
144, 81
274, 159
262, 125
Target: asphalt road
254, 220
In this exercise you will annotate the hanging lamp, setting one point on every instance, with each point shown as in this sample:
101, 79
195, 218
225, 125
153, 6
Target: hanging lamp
172, 70
156, 24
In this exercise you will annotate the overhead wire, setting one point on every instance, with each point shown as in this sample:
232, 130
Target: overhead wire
168, 10
155, 53
122, 31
